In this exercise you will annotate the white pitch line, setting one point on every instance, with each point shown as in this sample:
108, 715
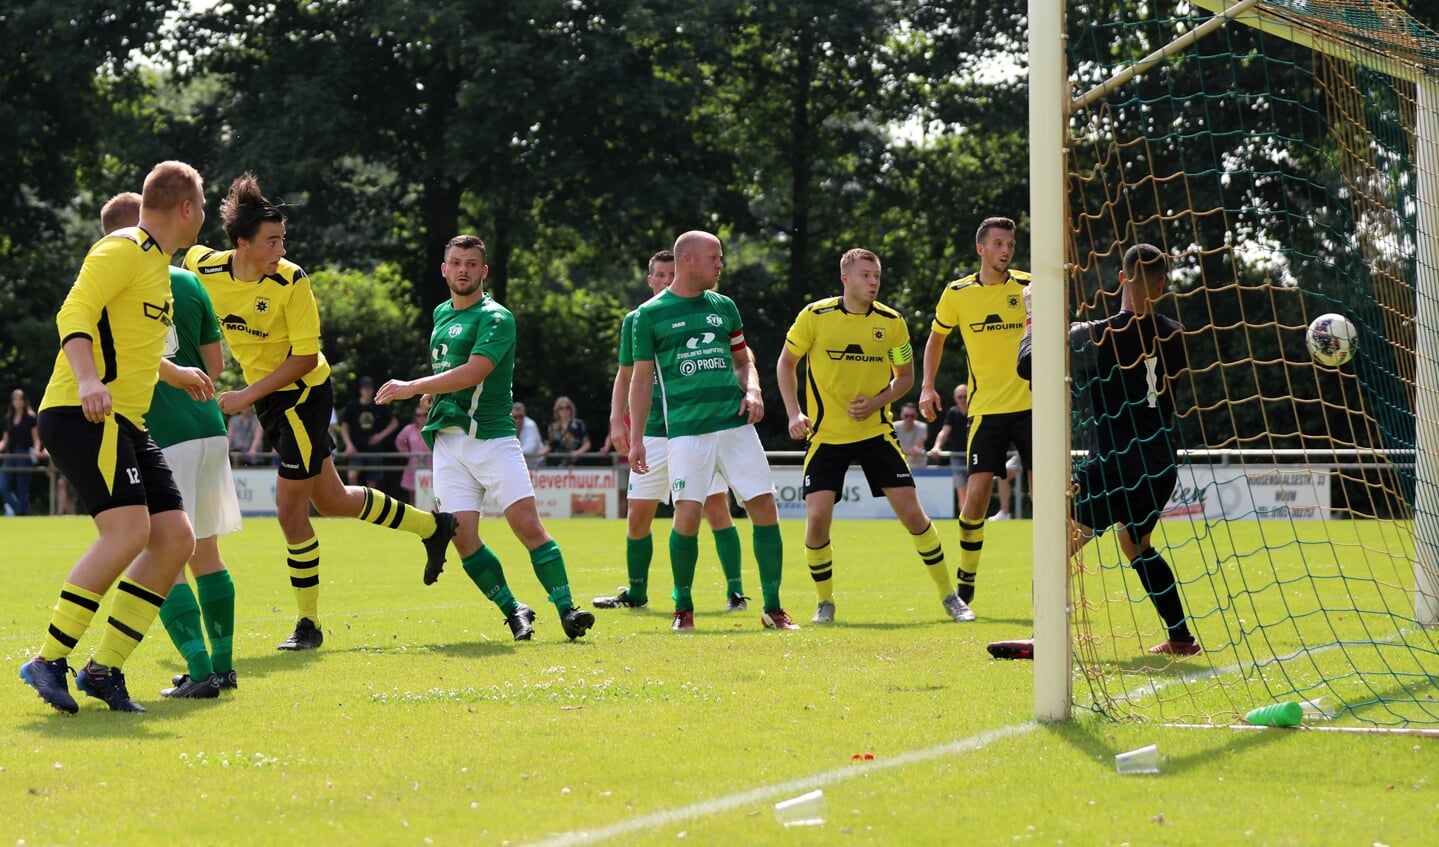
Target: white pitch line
778, 789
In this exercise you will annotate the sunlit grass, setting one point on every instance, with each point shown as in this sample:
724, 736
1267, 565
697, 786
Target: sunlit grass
421, 722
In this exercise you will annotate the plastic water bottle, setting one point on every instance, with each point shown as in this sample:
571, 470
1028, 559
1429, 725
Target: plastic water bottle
1279, 714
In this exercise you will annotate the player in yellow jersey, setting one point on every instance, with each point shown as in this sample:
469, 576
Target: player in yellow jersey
858, 361
113, 327
268, 314
987, 307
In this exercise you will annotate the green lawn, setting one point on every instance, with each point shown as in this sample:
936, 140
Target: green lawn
421, 722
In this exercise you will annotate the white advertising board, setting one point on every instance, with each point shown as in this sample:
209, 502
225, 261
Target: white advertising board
1235, 492
255, 487
935, 487
569, 493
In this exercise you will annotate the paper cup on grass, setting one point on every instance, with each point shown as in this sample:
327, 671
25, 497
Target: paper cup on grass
1143, 760
805, 810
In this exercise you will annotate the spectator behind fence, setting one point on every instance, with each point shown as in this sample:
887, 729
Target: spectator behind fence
568, 435
955, 434
912, 434
366, 428
20, 439
246, 438
410, 441
531, 444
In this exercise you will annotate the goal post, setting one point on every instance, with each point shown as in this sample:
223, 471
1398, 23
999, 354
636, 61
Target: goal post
1048, 113
1285, 155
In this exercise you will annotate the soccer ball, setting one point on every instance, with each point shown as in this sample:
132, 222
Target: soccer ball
1332, 340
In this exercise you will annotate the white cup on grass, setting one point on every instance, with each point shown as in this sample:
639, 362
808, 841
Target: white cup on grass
805, 810
1143, 760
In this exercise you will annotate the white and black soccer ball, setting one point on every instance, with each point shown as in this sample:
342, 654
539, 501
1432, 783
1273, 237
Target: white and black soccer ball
1332, 339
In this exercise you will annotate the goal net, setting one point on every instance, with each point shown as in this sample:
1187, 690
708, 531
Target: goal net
1282, 153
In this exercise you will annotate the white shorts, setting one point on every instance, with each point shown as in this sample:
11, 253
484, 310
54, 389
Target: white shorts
655, 485
201, 467
735, 454
468, 468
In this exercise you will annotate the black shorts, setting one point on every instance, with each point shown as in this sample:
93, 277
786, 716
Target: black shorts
297, 426
108, 464
1119, 491
990, 437
880, 458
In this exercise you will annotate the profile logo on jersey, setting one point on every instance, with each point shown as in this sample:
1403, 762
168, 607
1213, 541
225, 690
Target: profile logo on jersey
158, 312
262, 305
690, 367
994, 323
852, 353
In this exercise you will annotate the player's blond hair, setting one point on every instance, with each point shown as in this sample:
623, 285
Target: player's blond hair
169, 184
854, 255
120, 211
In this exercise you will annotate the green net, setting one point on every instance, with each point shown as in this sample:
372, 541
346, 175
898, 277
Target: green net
1277, 162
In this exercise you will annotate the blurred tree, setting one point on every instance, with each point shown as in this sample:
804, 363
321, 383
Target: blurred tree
66, 67
370, 326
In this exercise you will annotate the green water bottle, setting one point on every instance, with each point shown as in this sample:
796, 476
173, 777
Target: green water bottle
1279, 714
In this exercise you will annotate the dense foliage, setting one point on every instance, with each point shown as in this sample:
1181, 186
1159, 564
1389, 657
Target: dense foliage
575, 137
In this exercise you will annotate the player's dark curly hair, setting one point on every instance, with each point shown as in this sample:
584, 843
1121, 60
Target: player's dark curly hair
245, 208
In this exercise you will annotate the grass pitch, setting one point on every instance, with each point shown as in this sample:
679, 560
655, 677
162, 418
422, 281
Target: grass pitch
420, 722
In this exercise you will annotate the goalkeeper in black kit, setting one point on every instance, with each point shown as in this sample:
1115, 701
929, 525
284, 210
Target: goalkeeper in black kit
1122, 366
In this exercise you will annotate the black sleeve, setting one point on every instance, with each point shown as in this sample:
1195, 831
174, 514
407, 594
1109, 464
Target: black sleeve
1083, 351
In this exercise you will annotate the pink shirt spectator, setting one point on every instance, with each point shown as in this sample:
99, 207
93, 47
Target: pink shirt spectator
410, 441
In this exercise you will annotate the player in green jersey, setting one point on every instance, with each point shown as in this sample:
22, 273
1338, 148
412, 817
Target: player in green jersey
858, 361
268, 313
647, 490
987, 307
113, 325
472, 431
692, 340
196, 445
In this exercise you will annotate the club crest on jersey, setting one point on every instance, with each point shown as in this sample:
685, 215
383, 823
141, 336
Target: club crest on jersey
879, 333
262, 305
455, 330
1012, 301
714, 320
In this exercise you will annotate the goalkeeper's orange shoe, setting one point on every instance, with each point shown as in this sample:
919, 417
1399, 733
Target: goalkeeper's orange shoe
1019, 648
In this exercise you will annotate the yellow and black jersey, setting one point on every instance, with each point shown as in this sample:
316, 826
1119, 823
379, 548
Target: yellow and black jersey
264, 321
990, 319
849, 355
121, 301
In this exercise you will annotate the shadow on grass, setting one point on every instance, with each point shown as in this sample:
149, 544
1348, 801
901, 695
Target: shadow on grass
877, 625
471, 649
95, 720
1087, 735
